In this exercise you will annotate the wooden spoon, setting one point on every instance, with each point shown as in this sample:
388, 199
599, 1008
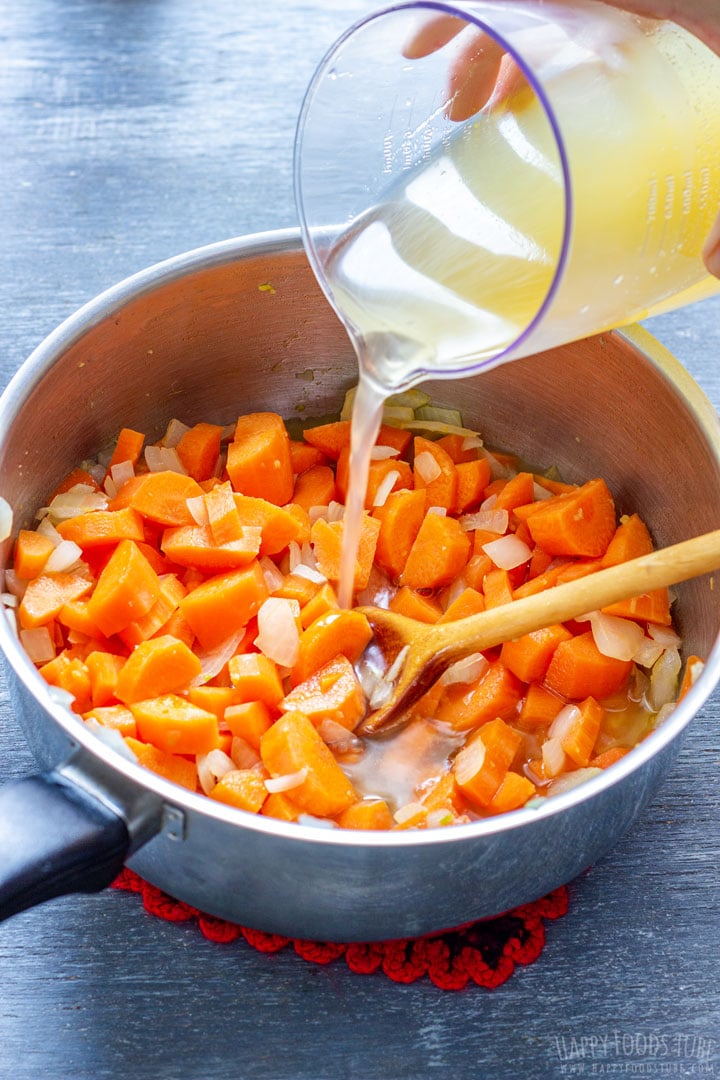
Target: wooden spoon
432, 648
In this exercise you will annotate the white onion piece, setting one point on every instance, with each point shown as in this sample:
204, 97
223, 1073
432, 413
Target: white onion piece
615, 637
564, 722
38, 644
571, 780
507, 552
378, 694
111, 737
278, 635
427, 467
70, 504
665, 636
309, 573
174, 433
198, 509
96, 470
274, 579
466, 670
307, 555
274, 784
553, 757
294, 555
386, 485
9, 599
441, 511
338, 738
471, 442
317, 822
61, 696
164, 459
404, 813
442, 816
110, 487
14, 584
489, 520
244, 755
396, 667
122, 472
46, 528
336, 511
213, 661
6, 519
382, 453
316, 513
647, 652
62, 557
212, 767
540, 493
11, 620
664, 679
490, 503
498, 471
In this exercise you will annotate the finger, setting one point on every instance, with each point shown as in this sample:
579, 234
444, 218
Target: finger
432, 35
473, 77
711, 250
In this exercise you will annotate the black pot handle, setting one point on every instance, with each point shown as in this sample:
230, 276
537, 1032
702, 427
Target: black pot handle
55, 838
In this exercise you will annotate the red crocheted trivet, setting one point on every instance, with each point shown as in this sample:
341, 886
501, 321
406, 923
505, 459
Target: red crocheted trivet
484, 952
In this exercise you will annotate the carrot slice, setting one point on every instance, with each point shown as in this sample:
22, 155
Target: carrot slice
170, 766
249, 720
540, 706
314, 487
198, 450
482, 764
472, 479
578, 739
46, 595
579, 670
370, 813
224, 604
173, 724
343, 631
103, 670
194, 546
631, 540
258, 461
114, 716
279, 525
517, 491
256, 678
242, 788
125, 591
158, 666
100, 527
400, 519
442, 490
325, 599
332, 693
652, 607
303, 457
172, 591
415, 605
162, 497
292, 745
514, 792
528, 657
438, 555
326, 539
128, 447
497, 693
32, 550
580, 522
469, 602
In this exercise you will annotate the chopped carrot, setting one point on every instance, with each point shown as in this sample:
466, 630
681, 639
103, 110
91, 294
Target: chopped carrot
277, 805
332, 693
73, 478
172, 591
579, 670
314, 487
256, 678
99, 527
114, 716
415, 605
103, 669
214, 699
174, 724
223, 516
293, 746
326, 539
46, 595
578, 739
631, 540
529, 656
514, 792
125, 591
32, 550
652, 607
161, 665
694, 668
454, 444
377, 472
258, 461
442, 490
297, 588
497, 588
242, 788
347, 632
400, 519
170, 766
194, 546
580, 522
325, 599
198, 450
370, 813
304, 457
329, 439
249, 720
517, 491
128, 447
278, 524
540, 706
469, 602
224, 604
162, 497
74, 615
608, 757
438, 555
482, 764
70, 673
496, 694
472, 479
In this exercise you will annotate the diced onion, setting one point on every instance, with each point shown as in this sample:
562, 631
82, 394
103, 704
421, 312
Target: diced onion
14, 584
278, 635
490, 503
498, 471
455, 591
441, 816
572, 780
46, 528
110, 487
6, 519
9, 599
38, 644
315, 513
174, 433
70, 504
489, 520
664, 635
274, 579
647, 652
382, 453
274, 784
396, 667
213, 661
664, 679
62, 557
440, 511
309, 573
615, 637
408, 811
386, 485
336, 511
122, 472
564, 722
507, 552
198, 509
294, 555
427, 467
212, 767
466, 670
540, 493
317, 822
61, 696
164, 459
338, 738
553, 757
471, 442
244, 756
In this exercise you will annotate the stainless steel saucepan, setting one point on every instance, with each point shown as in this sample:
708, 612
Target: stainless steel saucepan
242, 326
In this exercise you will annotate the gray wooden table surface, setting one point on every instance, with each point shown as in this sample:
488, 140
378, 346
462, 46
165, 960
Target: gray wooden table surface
132, 130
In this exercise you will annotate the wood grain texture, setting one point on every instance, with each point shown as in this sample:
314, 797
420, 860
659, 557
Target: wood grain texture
131, 131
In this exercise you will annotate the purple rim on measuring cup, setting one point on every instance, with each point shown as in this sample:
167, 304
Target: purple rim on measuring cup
536, 86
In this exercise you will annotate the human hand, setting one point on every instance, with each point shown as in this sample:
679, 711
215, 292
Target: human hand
483, 71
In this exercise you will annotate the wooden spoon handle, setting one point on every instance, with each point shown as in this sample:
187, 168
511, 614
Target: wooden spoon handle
661, 568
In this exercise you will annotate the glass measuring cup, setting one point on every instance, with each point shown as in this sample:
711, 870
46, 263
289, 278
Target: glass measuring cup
478, 181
